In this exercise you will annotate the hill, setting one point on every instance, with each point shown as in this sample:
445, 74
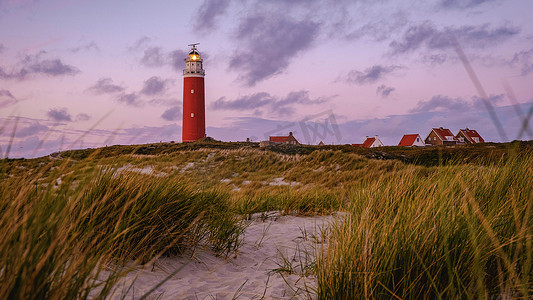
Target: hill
424, 222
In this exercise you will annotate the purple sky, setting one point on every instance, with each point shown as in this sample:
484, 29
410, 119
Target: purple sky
78, 74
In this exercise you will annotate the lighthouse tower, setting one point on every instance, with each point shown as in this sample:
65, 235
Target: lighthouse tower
193, 97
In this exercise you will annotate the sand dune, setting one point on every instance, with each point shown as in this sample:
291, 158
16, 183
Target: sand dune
271, 243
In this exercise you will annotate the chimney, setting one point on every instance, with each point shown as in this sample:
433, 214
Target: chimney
290, 133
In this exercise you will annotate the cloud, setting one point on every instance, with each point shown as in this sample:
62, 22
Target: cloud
301, 97
384, 91
438, 58
268, 43
21, 126
2, 48
59, 115
483, 35
244, 103
370, 75
263, 100
29, 140
154, 86
477, 102
461, 4
208, 12
6, 75
429, 36
156, 57
414, 37
177, 58
390, 129
142, 42
85, 47
153, 57
131, 99
526, 69
34, 64
148, 134
525, 60
380, 28
440, 103
54, 67
33, 146
105, 86
6, 99
172, 114
33, 129
162, 101
83, 117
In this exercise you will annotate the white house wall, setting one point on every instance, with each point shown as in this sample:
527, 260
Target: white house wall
419, 143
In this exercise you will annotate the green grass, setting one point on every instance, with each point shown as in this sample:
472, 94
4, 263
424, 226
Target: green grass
73, 240
421, 223
460, 231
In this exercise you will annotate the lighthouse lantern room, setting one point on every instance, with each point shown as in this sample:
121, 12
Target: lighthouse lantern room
193, 97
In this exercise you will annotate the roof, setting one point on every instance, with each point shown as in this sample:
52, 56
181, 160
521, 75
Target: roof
442, 133
471, 134
408, 140
284, 139
278, 139
368, 142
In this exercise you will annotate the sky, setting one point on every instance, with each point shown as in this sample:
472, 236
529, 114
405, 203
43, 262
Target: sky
76, 74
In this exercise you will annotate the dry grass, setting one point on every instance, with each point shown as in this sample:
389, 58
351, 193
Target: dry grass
68, 232
452, 232
422, 230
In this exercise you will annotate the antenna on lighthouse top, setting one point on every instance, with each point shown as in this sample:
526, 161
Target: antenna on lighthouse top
194, 46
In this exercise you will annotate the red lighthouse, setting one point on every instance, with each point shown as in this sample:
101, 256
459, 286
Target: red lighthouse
193, 97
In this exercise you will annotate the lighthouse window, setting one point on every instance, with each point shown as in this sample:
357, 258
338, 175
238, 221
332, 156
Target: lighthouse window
192, 91
192, 115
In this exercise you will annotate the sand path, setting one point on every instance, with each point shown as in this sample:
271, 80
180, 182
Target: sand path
274, 242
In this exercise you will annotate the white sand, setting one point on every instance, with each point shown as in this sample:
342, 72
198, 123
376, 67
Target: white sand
280, 181
147, 170
267, 241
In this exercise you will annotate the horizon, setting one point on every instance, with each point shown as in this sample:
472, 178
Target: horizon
85, 74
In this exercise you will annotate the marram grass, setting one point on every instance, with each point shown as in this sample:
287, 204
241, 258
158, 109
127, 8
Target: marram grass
460, 231
70, 226
73, 240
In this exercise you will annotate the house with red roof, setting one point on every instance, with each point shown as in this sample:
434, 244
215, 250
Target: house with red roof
469, 136
411, 140
289, 139
370, 142
440, 136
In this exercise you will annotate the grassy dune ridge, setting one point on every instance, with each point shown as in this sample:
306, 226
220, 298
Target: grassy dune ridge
457, 231
70, 234
433, 222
